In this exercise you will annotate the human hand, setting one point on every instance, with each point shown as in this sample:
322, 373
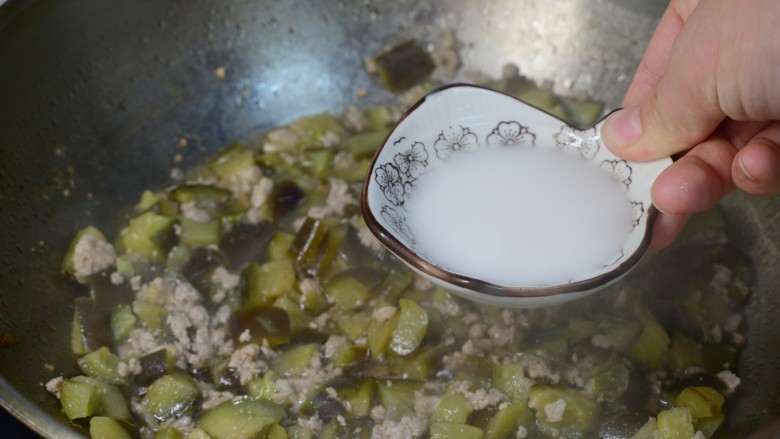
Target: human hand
708, 86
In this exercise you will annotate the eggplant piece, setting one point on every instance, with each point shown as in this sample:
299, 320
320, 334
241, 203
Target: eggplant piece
262, 322
667, 398
107, 295
149, 236
153, 365
295, 361
398, 397
346, 293
420, 365
84, 396
411, 328
170, 396
247, 243
579, 418
202, 374
230, 381
323, 406
233, 161
101, 364
370, 277
198, 234
481, 418
167, 208
103, 426
122, 321
620, 334
453, 408
285, 197
152, 315
637, 393
553, 347
358, 392
205, 196
698, 380
610, 383
365, 144
399, 278
350, 356
309, 129
308, 335
653, 341
265, 283
240, 417
315, 248
279, 246
328, 248
306, 242
91, 327
404, 66
317, 161
203, 262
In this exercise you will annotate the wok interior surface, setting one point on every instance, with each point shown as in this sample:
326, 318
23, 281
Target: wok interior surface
96, 95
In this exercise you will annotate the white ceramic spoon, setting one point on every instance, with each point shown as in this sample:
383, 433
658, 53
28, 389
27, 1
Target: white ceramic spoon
481, 113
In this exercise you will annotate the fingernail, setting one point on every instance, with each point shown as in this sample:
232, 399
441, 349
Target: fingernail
622, 128
659, 207
654, 192
744, 171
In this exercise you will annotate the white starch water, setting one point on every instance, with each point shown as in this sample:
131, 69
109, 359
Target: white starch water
519, 216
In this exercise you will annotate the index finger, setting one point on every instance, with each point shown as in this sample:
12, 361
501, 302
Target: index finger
656, 58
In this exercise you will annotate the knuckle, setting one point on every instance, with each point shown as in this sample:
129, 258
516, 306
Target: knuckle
661, 119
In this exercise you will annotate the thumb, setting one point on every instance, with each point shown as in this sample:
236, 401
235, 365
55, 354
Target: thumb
667, 121
680, 112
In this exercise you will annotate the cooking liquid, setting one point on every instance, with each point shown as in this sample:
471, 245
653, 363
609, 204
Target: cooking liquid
519, 216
